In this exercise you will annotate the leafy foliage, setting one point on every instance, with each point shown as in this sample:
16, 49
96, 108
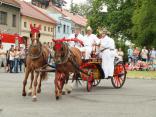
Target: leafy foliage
144, 20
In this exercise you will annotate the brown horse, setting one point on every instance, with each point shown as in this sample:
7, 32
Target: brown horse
37, 57
67, 61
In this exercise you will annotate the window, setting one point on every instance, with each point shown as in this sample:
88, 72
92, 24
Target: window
45, 28
59, 29
13, 20
48, 29
3, 17
25, 24
52, 29
64, 28
67, 29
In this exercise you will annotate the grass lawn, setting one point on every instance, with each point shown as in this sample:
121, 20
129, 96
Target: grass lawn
141, 74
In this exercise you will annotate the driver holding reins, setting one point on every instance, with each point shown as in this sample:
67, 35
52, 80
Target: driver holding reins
107, 51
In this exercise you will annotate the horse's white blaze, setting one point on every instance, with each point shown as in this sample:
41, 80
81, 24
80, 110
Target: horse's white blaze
35, 35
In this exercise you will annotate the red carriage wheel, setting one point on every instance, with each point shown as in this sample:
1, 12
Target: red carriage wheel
96, 82
119, 75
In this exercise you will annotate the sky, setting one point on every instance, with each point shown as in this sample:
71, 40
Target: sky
68, 2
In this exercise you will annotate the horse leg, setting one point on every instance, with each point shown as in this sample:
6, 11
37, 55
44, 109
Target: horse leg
34, 88
58, 87
25, 82
30, 88
68, 85
64, 85
39, 85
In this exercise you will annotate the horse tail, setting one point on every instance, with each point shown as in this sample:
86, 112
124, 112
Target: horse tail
44, 76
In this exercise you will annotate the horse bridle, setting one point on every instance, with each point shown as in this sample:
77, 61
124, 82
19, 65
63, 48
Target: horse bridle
65, 58
37, 55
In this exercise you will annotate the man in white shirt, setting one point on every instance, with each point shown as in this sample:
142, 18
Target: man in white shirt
76, 35
2, 56
144, 54
90, 40
107, 47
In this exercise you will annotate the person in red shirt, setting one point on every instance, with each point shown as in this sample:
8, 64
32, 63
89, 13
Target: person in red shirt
136, 55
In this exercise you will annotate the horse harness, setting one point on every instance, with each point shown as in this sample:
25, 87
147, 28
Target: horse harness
38, 54
71, 57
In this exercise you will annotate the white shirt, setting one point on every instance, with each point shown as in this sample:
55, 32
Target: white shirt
89, 40
76, 44
11, 55
107, 42
144, 53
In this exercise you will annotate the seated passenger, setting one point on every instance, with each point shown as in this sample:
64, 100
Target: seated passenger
76, 35
90, 40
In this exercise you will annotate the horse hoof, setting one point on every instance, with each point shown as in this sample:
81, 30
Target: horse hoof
24, 94
69, 92
57, 97
63, 93
39, 91
34, 98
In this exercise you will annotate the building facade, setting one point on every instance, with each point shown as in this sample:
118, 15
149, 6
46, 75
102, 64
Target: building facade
9, 17
75, 20
66, 21
64, 24
31, 15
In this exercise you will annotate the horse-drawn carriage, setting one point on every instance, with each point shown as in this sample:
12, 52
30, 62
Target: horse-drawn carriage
67, 60
91, 70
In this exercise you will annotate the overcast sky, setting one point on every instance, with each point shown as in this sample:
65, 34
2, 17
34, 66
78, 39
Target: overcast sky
69, 2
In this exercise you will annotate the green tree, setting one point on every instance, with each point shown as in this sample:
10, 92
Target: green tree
81, 9
144, 20
117, 19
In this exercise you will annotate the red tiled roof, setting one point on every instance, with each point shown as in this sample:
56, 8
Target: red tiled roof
29, 10
11, 2
75, 18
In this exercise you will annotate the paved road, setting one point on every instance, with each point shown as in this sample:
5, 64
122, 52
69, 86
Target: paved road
136, 99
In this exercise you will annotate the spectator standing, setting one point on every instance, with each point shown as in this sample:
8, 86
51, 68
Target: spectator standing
2, 57
130, 54
136, 55
17, 59
22, 58
152, 55
11, 59
144, 54
120, 54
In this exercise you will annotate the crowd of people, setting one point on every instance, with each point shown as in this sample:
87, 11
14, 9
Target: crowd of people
139, 59
13, 59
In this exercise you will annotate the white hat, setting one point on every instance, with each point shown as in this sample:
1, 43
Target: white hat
89, 28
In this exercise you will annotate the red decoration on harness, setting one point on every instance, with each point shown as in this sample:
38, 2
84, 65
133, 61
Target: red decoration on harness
58, 46
35, 29
68, 40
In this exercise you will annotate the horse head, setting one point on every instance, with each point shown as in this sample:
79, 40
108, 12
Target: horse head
35, 34
61, 51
